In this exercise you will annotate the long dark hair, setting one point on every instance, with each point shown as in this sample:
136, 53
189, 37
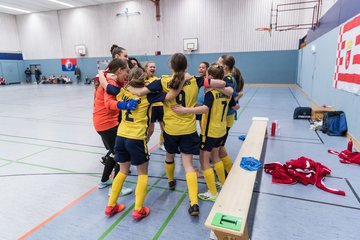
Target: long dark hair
229, 61
132, 65
178, 63
239, 79
115, 49
115, 64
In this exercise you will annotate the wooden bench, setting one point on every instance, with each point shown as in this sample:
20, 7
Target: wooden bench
317, 112
228, 216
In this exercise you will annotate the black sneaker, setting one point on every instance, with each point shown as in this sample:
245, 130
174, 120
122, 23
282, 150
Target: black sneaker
172, 185
194, 210
103, 160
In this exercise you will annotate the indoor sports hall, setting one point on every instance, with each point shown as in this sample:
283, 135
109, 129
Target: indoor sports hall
276, 84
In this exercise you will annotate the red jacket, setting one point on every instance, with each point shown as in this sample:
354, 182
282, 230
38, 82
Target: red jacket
106, 112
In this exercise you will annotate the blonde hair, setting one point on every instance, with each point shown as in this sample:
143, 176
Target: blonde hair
216, 71
137, 78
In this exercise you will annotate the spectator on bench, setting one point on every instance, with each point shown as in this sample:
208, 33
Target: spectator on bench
2, 81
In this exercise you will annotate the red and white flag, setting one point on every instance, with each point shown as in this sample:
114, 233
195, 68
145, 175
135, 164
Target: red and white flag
347, 69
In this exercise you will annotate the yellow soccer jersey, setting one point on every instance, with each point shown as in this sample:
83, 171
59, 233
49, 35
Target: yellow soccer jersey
213, 123
134, 124
178, 124
150, 80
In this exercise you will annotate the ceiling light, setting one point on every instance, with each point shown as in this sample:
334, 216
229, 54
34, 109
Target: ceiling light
15, 9
62, 3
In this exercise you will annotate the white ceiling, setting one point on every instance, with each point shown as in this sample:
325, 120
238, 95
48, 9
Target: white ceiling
46, 5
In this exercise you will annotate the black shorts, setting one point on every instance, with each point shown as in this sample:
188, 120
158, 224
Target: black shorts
225, 137
131, 150
188, 144
157, 114
208, 143
198, 117
108, 137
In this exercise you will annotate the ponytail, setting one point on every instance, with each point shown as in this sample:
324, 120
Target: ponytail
178, 63
177, 79
239, 79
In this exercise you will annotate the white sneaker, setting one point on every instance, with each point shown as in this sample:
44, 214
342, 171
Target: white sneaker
208, 196
102, 185
124, 191
162, 147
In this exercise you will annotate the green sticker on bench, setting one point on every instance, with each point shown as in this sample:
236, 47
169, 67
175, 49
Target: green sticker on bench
227, 221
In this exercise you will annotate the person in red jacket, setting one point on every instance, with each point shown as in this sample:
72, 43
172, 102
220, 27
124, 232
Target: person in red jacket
105, 117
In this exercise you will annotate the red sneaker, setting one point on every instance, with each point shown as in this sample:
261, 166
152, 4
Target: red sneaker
110, 211
138, 215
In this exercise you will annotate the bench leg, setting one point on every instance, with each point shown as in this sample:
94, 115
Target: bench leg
227, 236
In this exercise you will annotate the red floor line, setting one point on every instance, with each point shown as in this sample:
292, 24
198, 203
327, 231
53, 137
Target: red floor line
58, 213
66, 207
153, 147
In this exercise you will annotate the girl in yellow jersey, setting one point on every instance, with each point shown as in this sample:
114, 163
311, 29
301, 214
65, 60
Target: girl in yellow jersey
180, 133
213, 129
157, 114
228, 63
130, 145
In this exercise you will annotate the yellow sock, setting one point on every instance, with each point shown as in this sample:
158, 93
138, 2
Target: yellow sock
169, 169
227, 163
161, 138
116, 188
220, 171
192, 184
140, 191
210, 180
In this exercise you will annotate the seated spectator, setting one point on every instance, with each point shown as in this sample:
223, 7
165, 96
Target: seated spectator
52, 79
44, 80
2, 81
60, 79
67, 80
87, 80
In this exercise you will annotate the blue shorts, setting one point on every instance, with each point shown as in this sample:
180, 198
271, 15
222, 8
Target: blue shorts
188, 144
157, 114
131, 150
208, 143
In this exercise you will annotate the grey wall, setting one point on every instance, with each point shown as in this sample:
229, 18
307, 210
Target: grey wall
316, 74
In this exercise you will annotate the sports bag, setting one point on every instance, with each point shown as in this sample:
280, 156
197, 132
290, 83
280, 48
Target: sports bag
302, 113
334, 123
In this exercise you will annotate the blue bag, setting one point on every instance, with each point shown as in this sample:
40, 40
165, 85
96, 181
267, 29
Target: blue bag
334, 123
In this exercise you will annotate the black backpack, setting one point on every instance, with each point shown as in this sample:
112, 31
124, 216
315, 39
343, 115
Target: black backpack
334, 123
302, 113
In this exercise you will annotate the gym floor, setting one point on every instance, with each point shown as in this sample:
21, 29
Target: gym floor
49, 171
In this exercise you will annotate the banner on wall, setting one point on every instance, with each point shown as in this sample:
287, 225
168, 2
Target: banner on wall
68, 64
347, 69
